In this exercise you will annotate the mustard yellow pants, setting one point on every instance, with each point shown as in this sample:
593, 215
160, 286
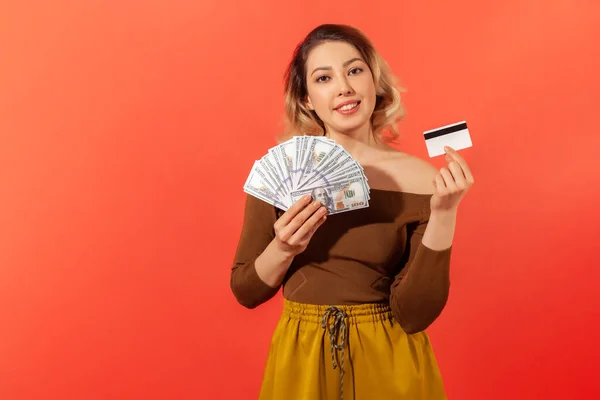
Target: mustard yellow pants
362, 353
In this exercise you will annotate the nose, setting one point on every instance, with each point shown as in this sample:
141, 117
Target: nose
345, 88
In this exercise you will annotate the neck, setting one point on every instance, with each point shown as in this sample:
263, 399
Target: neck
355, 142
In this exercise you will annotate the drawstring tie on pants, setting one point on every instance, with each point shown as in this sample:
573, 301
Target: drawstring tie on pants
337, 338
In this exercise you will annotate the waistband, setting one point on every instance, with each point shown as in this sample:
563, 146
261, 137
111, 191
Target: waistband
368, 312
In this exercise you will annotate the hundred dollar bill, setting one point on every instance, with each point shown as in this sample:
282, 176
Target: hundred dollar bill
351, 167
276, 156
302, 146
351, 174
354, 169
342, 178
337, 197
288, 152
268, 200
257, 185
295, 158
304, 143
318, 149
276, 188
270, 164
309, 164
326, 167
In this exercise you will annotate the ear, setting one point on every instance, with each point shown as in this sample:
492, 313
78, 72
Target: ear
308, 103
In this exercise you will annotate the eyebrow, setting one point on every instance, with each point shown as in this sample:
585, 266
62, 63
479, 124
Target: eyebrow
345, 65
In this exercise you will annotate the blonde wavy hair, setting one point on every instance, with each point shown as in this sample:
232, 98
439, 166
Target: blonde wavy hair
299, 120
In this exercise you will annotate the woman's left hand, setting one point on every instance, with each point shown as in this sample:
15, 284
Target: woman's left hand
451, 183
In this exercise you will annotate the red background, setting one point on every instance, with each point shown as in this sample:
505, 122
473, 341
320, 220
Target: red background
127, 130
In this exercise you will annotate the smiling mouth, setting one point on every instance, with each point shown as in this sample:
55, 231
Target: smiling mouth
348, 107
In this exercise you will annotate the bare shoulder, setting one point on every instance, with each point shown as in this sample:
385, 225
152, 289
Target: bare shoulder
418, 174
402, 172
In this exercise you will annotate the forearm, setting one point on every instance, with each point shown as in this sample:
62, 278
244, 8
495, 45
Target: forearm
272, 265
419, 297
439, 233
257, 280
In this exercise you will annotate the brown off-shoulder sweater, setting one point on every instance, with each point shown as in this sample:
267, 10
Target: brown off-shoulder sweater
363, 256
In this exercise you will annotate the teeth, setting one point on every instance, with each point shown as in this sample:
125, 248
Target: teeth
348, 106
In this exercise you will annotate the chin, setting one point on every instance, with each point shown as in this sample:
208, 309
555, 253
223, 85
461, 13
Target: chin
349, 130
351, 127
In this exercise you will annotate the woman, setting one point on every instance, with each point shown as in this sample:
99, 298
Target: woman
360, 288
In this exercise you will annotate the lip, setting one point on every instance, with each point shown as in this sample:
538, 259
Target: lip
345, 103
351, 111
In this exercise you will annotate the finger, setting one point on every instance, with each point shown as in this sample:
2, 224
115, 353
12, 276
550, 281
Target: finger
448, 179
457, 174
294, 210
289, 231
440, 184
312, 231
453, 154
299, 235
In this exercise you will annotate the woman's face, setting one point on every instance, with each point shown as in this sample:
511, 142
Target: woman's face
340, 87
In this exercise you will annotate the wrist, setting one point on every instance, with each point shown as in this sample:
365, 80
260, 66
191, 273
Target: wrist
448, 215
439, 233
280, 255
272, 265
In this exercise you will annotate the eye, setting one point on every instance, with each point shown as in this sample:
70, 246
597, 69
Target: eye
322, 78
355, 71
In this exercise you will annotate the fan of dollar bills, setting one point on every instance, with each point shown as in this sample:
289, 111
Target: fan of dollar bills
309, 165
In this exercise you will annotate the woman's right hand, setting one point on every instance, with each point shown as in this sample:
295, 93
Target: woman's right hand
295, 228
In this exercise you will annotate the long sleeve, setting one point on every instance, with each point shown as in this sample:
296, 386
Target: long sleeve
420, 290
257, 232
